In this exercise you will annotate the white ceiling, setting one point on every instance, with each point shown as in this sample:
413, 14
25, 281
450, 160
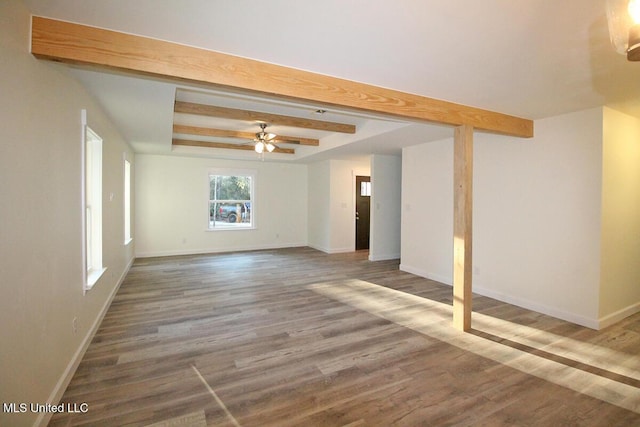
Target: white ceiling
528, 58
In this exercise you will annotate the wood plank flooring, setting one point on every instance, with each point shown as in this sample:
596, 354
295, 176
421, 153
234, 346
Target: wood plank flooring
296, 337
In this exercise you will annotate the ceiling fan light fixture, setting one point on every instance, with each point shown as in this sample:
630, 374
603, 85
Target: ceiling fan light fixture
633, 51
634, 10
263, 140
623, 19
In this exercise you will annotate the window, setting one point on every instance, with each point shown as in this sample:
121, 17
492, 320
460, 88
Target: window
365, 188
231, 200
127, 202
92, 205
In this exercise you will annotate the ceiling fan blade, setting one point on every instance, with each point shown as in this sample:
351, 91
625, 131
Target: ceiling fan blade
270, 147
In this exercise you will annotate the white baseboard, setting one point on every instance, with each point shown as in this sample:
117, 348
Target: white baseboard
612, 318
320, 248
58, 391
578, 319
332, 251
478, 289
383, 257
341, 250
426, 274
218, 250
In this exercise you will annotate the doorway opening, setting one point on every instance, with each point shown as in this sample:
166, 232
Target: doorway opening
363, 207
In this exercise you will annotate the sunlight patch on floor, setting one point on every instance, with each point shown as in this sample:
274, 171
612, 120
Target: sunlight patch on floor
213, 394
434, 319
195, 419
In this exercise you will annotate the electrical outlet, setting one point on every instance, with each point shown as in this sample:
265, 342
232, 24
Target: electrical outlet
74, 325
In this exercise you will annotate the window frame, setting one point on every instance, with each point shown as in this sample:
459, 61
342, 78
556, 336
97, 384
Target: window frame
92, 176
251, 173
126, 202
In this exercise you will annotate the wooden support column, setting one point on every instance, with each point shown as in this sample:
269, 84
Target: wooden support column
462, 226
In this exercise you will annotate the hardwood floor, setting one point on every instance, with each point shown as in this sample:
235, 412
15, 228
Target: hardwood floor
296, 337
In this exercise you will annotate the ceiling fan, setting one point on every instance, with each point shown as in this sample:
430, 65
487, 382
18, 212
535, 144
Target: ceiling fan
264, 140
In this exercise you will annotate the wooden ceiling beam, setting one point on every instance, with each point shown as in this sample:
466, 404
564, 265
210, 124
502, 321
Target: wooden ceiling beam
80, 44
223, 133
256, 116
207, 144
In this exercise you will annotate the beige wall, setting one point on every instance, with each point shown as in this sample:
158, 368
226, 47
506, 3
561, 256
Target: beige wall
536, 215
40, 220
172, 199
620, 271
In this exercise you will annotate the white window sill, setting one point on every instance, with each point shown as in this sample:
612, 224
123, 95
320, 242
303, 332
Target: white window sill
230, 229
225, 226
93, 276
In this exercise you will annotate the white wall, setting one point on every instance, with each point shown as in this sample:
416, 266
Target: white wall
40, 221
386, 202
332, 200
620, 274
536, 215
172, 199
319, 175
427, 210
